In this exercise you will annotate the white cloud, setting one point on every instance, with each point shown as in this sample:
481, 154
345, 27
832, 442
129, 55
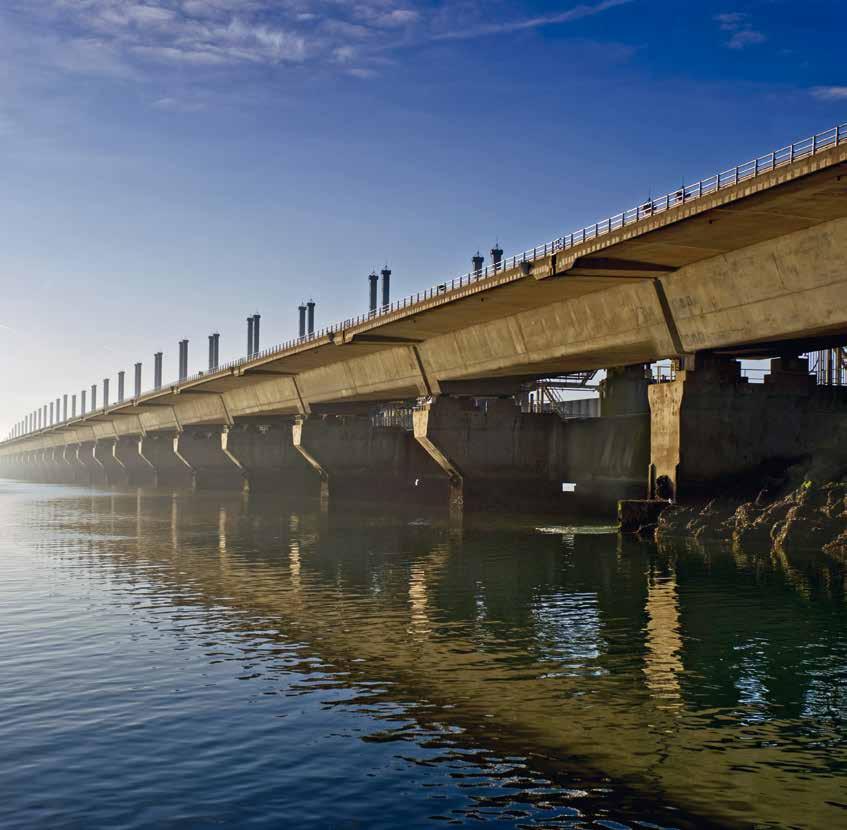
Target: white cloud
830, 93
740, 29
745, 37
504, 27
174, 43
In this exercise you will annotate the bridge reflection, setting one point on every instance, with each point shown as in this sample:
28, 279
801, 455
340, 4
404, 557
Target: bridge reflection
708, 677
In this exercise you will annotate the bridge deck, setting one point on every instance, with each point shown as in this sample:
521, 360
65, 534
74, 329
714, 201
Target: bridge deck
787, 199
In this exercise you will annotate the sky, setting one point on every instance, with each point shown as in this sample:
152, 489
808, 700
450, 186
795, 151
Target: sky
173, 166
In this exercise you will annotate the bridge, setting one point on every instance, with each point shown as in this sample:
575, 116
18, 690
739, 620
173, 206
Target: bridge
747, 263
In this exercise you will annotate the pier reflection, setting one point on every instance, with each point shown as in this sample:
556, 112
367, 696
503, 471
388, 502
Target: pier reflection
707, 677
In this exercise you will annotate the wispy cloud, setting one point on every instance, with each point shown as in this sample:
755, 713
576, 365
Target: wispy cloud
740, 29
193, 43
506, 26
830, 93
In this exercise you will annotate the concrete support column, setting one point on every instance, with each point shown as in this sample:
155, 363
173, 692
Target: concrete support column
93, 470
710, 429
70, 465
79, 472
266, 456
201, 449
303, 445
624, 390
139, 471
113, 470
429, 423
357, 459
169, 469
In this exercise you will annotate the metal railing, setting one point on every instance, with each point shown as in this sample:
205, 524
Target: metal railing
802, 149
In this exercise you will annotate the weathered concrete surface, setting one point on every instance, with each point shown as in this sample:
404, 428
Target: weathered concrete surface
624, 390
170, 470
139, 471
709, 426
352, 457
113, 471
93, 467
499, 456
201, 450
607, 458
266, 455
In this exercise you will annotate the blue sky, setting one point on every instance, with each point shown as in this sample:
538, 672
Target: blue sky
172, 166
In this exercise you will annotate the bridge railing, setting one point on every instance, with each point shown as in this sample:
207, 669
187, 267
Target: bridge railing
683, 195
804, 148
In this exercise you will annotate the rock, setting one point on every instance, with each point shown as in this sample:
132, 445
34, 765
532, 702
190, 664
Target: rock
838, 546
635, 514
808, 526
674, 520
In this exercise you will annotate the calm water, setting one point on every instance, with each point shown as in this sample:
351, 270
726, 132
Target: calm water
204, 661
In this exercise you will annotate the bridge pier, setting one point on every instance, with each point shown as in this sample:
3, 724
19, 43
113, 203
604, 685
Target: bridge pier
139, 471
492, 454
201, 450
68, 464
93, 471
77, 470
112, 469
47, 466
266, 456
624, 390
169, 469
353, 458
710, 429
304, 444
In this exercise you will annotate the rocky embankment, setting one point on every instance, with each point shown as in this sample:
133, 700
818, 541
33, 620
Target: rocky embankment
786, 515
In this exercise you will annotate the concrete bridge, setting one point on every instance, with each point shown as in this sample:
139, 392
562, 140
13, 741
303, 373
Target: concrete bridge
750, 263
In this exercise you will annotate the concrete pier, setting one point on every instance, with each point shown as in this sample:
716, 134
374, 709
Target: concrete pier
158, 449
351, 457
201, 450
710, 427
265, 454
139, 471
112, 470
494, 455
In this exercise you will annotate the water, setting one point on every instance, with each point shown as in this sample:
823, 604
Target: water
202, 661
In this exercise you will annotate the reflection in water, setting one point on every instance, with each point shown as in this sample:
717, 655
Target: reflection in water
662, 660
217, 661
417, 602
